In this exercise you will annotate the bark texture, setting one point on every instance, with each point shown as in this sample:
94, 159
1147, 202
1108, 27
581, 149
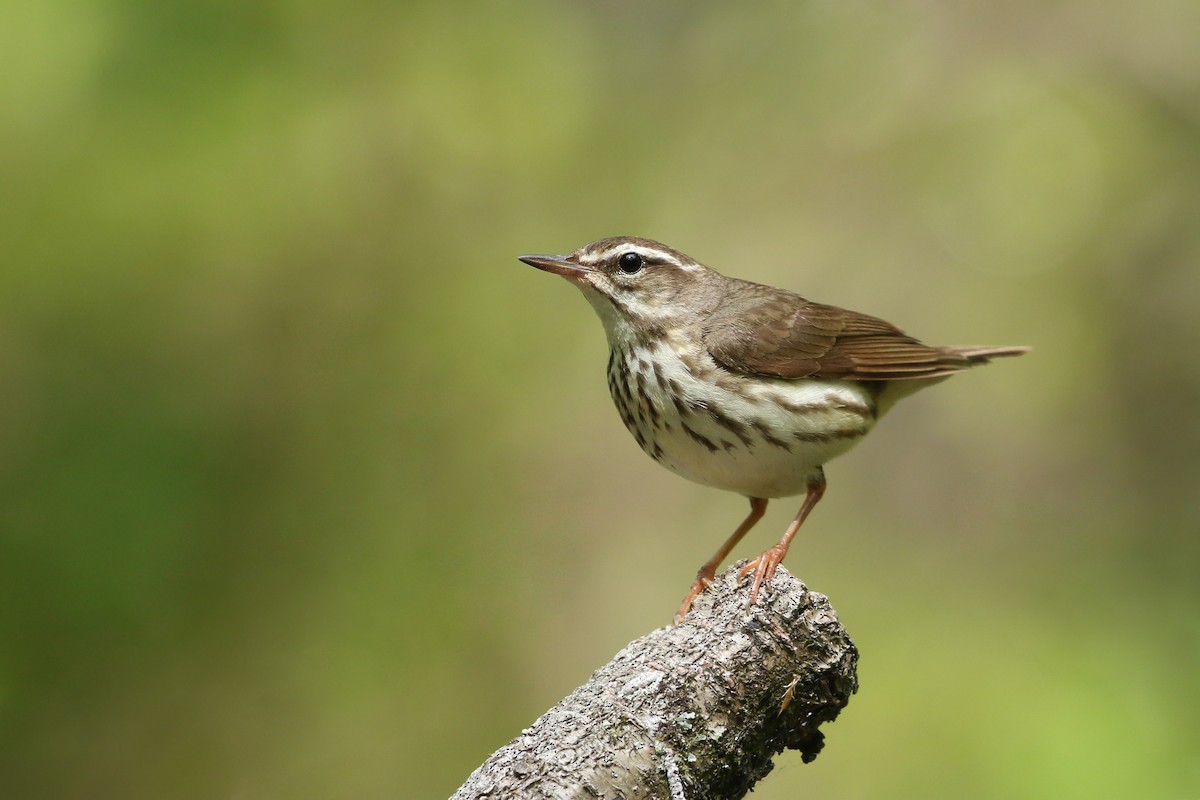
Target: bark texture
695, 711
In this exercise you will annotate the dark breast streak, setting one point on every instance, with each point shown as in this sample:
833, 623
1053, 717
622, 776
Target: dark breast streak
628, 386
656, 411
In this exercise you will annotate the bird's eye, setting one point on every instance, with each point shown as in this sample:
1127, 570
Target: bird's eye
630, 263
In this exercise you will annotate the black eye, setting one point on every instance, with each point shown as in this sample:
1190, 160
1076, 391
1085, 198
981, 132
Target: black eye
630, 263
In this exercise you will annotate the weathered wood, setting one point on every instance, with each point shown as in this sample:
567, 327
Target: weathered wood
695, 711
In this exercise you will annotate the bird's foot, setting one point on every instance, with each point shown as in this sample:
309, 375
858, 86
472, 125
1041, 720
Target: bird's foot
704, 579
763, 569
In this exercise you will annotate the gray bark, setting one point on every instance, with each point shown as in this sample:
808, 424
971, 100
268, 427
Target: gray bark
695, 711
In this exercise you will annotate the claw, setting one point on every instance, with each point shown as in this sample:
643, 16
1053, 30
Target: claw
763, 568
704, 579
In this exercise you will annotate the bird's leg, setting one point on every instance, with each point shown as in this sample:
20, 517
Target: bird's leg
706, 573
764, 566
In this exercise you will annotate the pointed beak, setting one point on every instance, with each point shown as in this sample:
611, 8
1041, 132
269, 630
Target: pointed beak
559, 265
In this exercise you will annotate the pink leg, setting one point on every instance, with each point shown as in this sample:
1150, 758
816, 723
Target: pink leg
764, 566
704, 577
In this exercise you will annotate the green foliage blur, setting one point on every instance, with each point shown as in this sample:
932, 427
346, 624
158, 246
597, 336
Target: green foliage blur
309, 489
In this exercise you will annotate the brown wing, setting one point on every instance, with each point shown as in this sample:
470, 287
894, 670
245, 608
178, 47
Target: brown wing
767, 331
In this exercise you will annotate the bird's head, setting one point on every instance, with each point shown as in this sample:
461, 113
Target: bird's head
636, 285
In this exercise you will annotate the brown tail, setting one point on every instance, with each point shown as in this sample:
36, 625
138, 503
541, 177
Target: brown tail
977, 354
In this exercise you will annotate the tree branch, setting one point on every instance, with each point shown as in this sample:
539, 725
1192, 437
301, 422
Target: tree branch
693, 711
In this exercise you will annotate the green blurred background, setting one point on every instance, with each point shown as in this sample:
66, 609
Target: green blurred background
309, 489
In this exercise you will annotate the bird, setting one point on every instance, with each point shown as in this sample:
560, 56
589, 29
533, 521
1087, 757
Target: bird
741, 386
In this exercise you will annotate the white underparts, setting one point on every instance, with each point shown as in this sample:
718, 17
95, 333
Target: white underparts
758, 436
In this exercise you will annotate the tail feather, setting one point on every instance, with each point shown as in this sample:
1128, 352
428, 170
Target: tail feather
975, 355
981, 354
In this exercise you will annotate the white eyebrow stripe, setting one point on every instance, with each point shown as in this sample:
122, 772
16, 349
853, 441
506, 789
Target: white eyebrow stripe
648, 252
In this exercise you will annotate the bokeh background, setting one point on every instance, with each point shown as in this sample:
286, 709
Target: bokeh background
309, 489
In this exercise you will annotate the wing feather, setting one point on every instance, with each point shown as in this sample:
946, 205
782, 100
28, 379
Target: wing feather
767, 331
